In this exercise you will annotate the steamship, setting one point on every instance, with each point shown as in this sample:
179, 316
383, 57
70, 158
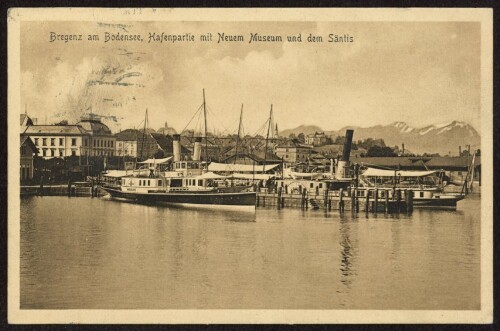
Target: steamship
187, 184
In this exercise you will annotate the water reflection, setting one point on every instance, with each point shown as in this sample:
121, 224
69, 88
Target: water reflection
97, 253
347, 252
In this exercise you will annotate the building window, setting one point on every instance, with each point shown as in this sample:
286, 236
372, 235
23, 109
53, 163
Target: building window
94, 143
61, 141
61, 152
44, 152
52, 152
85, 142
36, 141
111, 143
421, 194
52, 141
73, 152
73, 141
44, 141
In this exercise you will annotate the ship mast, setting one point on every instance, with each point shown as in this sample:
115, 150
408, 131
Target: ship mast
206, 137
267, 138
239, 132
144, 132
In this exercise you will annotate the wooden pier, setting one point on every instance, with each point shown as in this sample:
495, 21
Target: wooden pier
61, 190
356, 200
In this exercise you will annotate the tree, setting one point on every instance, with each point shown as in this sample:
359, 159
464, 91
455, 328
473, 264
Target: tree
301, 138
383, 151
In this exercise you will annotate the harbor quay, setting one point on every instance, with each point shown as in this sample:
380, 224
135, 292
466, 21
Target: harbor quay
356, 200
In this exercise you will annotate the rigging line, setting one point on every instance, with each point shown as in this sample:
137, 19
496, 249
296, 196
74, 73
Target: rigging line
191, 119
218, 120
262, 129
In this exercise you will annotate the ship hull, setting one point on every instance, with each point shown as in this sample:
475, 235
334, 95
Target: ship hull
450, 202
242, 200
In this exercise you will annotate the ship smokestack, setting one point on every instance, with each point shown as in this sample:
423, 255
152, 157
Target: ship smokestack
177, 147
342, 170
197, 149
347, 145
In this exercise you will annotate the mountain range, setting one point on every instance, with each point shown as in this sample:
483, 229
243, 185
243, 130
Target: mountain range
442, 138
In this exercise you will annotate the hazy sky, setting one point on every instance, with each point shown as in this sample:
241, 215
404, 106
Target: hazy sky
420, 73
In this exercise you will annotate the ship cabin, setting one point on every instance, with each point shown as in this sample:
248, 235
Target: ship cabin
296, 186
382, 178
187, 168
166, 184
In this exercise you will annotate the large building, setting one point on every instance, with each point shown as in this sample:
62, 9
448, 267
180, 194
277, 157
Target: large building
294, 152
90, 137
126, 143
317, 139
59, 140
102, 141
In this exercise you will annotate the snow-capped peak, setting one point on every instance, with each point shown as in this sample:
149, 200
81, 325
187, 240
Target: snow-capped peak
403, 127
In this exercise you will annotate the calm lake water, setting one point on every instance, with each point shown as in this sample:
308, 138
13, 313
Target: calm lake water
85, 253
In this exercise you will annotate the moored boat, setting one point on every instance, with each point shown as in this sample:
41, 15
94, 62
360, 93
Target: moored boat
427, 186
187, 184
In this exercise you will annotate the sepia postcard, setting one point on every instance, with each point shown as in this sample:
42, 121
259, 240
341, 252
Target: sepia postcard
250, 165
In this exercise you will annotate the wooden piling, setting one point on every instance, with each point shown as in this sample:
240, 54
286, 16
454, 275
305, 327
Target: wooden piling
386, 206
341, 200
278, 202
375, 201
356, 200
353, 200
410, 201
307, 199
398, 200
325, 199
367, 201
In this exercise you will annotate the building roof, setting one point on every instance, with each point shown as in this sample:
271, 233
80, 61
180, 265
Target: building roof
292, 143
128, 135
26, 140
94, 127
55, 130
25, 120
166, 143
